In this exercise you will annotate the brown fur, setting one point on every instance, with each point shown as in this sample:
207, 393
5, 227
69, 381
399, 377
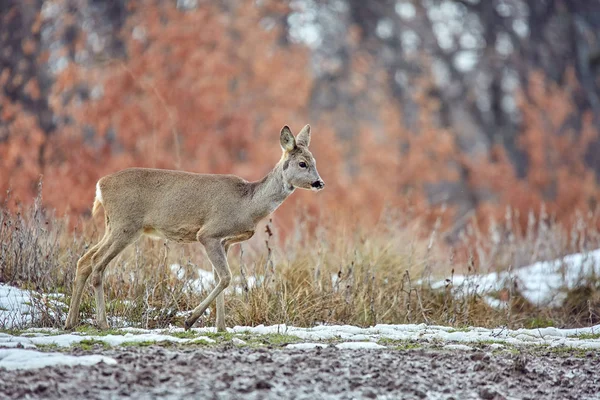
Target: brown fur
215, 210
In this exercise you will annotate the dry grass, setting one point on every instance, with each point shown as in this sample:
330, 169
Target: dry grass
329, 274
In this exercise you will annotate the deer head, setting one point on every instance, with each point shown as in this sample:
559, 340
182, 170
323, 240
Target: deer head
299, 165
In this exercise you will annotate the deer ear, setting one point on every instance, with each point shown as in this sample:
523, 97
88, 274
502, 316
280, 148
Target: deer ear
288, 143
303, 138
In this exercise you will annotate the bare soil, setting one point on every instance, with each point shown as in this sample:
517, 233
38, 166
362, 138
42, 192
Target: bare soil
228, 372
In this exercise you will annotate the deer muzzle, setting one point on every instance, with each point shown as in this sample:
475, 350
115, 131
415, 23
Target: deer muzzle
317, 185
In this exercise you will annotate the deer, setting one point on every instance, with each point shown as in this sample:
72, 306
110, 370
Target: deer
212, 209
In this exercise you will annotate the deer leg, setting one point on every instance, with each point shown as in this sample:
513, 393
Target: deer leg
84, 269
220, 320
109, 250
218, 258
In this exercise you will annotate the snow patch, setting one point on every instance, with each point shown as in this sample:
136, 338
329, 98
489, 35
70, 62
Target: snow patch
351, 337
17, 306
9, 341
541, 283
306, 346
458, 347
359, 345
431, 334
67, 340
12, 359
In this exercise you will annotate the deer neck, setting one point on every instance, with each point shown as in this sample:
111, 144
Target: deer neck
271, 191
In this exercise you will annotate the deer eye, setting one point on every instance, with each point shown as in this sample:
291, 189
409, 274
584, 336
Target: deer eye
302, 164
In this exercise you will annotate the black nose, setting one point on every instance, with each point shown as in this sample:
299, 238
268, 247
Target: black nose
318, 184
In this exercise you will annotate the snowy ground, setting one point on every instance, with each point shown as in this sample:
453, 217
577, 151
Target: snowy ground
277, 372
21, 307
15, 306
12, 359
342, 337
540, 283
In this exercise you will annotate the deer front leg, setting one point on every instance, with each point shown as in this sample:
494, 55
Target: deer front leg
220, 319
218, 258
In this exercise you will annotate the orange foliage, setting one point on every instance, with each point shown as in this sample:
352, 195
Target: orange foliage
557, 176
208, 89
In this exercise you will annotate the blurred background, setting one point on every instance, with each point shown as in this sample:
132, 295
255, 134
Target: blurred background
448, 111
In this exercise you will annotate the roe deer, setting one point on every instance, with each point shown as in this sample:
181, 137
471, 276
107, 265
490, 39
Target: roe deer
215, 210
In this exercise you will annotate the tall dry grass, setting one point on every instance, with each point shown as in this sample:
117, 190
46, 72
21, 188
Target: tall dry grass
325, 271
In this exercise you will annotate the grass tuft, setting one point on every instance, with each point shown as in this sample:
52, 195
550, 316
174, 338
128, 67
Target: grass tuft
90, 344
320, 273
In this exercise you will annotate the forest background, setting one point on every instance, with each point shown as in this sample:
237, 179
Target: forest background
453, 107
469, 123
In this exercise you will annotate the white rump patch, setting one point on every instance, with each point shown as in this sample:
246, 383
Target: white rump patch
98, 192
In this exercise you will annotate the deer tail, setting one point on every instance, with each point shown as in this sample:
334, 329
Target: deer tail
97, 200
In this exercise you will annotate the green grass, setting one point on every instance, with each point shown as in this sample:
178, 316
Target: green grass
403, 345
492, 341
146, 343
563, 351
199, 342
93, 331
463, 329
538, 322
220, 337
270, 339
398, 344
89, 344
277, 339
185, 334
48, 347
13, 332
585, 336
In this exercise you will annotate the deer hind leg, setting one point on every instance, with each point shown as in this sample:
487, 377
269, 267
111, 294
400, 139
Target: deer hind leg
218, 258
84, 269
117, 241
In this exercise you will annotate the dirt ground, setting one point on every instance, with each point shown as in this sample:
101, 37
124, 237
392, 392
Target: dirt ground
228, 372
